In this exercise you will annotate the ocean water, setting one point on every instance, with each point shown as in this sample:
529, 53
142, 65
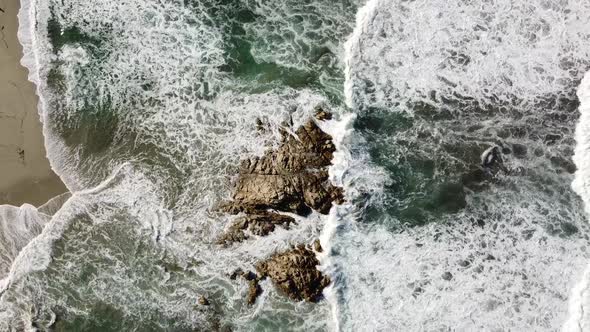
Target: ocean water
148, 106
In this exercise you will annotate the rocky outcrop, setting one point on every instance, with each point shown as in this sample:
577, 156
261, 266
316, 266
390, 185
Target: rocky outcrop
254, 290
293, 178
295, 273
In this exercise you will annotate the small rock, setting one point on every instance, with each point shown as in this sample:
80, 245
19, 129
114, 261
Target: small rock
464, 263
417, 291
250, 276
234, 275
322, 115
491, 157
317, 246
447, 276
203, 301
254, 290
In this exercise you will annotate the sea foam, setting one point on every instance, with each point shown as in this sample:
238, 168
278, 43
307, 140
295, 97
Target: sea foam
579, 303
469, 77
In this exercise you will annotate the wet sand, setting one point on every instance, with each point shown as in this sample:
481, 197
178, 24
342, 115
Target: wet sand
25, 174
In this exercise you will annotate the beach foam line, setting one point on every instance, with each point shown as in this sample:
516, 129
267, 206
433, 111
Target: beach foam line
36, 255
33, 16
579, 302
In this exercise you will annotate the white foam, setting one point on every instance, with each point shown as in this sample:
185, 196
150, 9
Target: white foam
353, 47
340, 131
19, 225
581, 158
579, 303
495, 52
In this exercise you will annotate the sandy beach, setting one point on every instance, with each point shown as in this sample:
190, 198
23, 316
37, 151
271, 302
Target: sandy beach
25, 173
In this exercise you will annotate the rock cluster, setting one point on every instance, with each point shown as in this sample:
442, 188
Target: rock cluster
294, 272
292, 178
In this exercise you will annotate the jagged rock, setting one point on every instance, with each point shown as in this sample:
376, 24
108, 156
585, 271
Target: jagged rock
254, 290
292, 178
295, 273
259, 223
317, 246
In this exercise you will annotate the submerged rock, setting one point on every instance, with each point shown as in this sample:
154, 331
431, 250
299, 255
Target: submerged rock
259, 223
295, 273
447, 276
491, 157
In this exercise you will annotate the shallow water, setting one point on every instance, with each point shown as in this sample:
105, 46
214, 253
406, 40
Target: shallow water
150, 105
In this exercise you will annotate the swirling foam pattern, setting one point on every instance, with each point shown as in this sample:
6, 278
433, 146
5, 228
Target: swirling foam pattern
435, 84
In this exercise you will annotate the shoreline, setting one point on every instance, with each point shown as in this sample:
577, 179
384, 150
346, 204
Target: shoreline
27, 176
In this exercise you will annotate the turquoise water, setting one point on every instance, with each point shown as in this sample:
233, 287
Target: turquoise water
150, 105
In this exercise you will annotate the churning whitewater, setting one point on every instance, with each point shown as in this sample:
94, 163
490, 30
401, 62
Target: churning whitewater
149, 107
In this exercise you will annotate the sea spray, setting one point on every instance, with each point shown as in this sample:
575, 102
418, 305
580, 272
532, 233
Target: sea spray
340, 131
581, 183
579, 302
353, 46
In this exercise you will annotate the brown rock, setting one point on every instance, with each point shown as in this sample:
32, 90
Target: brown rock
317, 246
322, 115
254, 290
295, 273
292, 178
203, 301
